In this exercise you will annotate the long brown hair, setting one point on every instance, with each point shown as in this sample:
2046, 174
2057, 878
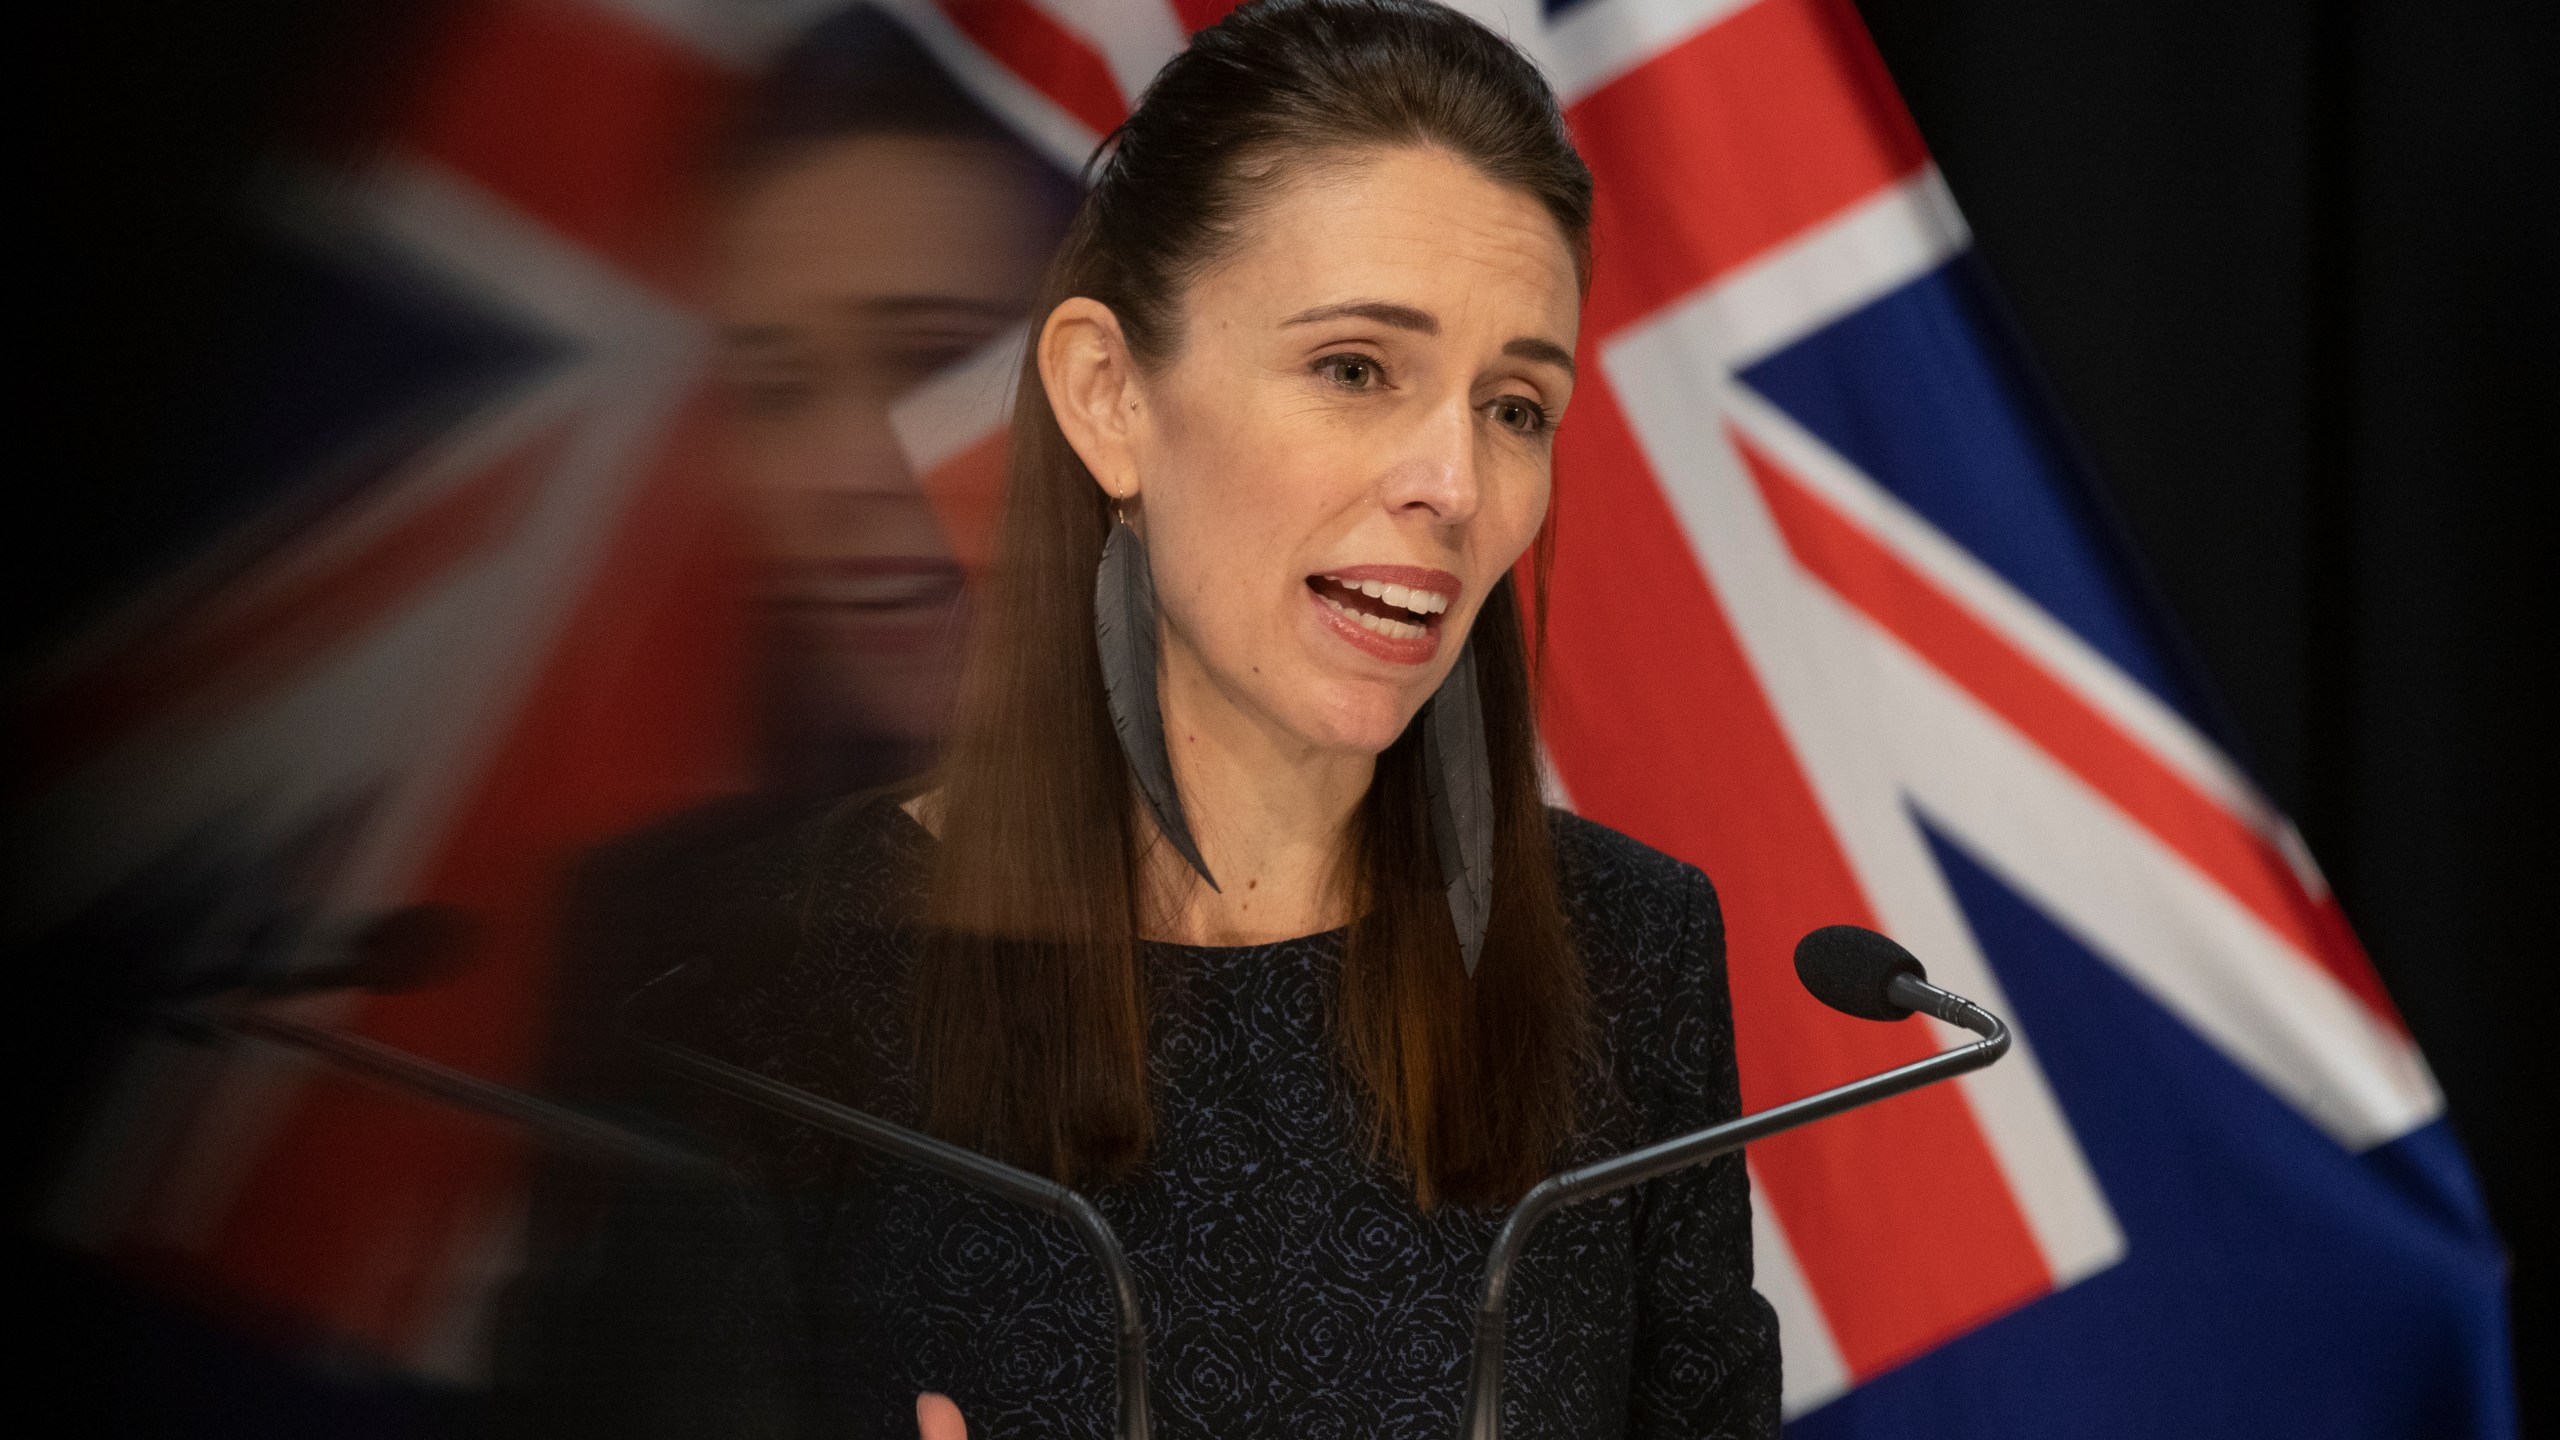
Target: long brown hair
1031, 1012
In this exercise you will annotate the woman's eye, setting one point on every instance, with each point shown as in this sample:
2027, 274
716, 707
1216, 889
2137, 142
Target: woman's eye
1351, 372
1525, 416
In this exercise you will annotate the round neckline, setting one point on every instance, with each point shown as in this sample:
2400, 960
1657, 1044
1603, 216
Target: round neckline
898, 805
1188, 948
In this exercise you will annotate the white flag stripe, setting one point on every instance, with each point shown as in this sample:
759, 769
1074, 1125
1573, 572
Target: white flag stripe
1857, 257
1812, 669
1876, 247
1135, 37
403, 714
1990, 598
2141, 906
2277, 1013
960, 405
1814, 1371
270, 553
648, 358
1596, 41
458, 1343
405, 709
2057, 1193
518, 272
1067, 141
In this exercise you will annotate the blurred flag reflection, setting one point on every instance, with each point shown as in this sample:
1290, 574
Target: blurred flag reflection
636, 435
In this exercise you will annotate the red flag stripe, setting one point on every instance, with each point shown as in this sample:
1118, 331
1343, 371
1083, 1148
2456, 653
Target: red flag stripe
632, 716
1659, 727
1870, 575
1045, 55
220, 654
967, 494
1730, 142
588, 121
1199, 15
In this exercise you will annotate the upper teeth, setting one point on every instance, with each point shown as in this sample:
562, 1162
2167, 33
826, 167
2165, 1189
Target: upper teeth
1420, 602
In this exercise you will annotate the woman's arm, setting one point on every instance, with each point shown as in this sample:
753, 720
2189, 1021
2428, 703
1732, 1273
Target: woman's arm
1706, 1358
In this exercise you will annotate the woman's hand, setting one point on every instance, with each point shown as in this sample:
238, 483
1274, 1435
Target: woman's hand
938, 1419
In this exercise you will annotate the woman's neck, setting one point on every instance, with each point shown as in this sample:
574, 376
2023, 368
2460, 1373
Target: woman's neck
1271, 814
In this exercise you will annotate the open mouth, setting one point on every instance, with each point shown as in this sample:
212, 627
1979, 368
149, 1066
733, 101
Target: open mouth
884, 588
1396, 612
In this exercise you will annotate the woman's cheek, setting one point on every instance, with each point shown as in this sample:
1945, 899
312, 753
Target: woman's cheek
1517, 522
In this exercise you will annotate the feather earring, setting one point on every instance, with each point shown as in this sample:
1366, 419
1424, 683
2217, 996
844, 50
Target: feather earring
1124, 630
1458, 773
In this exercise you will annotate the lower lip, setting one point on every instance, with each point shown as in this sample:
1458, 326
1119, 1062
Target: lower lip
878, 634
1385, 647
917, 623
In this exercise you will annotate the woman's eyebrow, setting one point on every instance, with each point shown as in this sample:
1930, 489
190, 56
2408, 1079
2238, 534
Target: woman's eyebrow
1529, 347
1423, 322
1401, 317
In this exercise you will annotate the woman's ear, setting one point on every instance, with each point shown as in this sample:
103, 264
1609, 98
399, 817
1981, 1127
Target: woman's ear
1092, 383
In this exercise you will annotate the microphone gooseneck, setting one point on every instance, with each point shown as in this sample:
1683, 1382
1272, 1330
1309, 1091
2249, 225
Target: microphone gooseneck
1857, 972
966, 1166
981, 1172
417, 1077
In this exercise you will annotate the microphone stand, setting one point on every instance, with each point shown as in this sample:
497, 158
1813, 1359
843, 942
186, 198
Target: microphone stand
966, 1166
407, 1074
1483, 1416
1483, 1413
412, 1074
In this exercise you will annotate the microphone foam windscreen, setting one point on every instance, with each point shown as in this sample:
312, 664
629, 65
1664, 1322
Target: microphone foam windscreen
1848, 968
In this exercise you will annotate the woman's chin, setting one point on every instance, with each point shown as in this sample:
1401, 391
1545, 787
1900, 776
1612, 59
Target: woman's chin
1358, 719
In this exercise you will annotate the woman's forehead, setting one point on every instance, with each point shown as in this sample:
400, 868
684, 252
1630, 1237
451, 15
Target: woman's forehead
1411, 227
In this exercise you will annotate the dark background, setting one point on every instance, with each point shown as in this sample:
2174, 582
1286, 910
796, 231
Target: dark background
2288, 265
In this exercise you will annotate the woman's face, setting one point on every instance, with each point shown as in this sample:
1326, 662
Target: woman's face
1354, 442
853, 270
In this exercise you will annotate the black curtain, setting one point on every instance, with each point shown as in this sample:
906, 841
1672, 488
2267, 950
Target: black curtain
2289, 265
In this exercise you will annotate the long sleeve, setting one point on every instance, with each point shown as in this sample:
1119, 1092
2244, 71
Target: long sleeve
1706, 1352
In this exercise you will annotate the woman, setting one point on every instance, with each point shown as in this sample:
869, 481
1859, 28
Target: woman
874, 226
1235, 902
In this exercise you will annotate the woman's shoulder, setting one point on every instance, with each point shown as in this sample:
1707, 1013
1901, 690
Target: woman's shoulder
862, 861
1651, 940
796, 920
1625, 898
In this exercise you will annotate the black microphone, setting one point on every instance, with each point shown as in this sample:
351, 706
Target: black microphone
1859, 972
401, 950
1854, 971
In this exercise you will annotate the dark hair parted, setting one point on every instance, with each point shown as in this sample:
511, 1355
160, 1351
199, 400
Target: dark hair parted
1031, 1007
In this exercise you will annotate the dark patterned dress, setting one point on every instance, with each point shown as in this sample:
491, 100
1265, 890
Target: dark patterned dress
1291, 1287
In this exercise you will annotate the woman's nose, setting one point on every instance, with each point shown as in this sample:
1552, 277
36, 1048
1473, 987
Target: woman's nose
860, 452
1438, 473
834, 453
